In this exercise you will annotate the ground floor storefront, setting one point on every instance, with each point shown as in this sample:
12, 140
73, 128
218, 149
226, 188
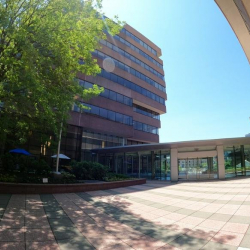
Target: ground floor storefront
192, 160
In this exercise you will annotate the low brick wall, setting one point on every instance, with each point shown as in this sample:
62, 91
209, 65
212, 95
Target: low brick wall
26, 188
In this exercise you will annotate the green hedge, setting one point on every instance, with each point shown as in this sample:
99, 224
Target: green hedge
86, 170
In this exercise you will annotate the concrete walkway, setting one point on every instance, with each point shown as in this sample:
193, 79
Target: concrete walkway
158, 215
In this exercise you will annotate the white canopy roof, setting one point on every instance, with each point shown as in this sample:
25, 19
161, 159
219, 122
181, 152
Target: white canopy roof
61, 156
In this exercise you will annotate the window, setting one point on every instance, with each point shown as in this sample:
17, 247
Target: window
127, 101
94, 110
133, 71
119, 118
119, 98
105, 93
130, 85
103, 113
112, 95
111, 115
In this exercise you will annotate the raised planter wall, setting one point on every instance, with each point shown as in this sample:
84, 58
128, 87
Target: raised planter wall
26, 188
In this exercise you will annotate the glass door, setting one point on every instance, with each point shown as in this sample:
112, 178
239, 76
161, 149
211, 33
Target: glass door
197, 168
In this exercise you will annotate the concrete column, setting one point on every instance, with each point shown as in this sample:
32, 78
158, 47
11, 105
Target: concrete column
221, 163
139, 170
174, 164
124, 163
153, 164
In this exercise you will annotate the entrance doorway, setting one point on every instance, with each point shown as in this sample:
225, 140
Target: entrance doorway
197, 168
236, 163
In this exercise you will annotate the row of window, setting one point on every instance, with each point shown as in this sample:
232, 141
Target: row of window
105, 113
102, 137
130, 70
147, 112
112, 95
126, 83
117, 117
145, 127
132, 58
88, 143
142, 53
130, 142
135, 38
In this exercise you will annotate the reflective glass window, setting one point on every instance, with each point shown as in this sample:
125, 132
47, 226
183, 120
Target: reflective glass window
112, 95
111, 115
119, 117
103, 113
120, 98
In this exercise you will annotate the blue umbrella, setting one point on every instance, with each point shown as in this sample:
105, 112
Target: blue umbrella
20, 151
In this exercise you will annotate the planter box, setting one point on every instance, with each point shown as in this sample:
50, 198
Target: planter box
26, 188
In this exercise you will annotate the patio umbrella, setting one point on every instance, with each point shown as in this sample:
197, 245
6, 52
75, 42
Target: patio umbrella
61, 156
19, 151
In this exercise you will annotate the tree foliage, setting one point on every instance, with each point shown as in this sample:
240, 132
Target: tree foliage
41, 42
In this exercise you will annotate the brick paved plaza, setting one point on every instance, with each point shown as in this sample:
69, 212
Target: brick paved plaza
157, 215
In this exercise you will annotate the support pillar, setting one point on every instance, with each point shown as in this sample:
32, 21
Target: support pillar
139, 170
174, 164
153, 164
221, 163
124, 164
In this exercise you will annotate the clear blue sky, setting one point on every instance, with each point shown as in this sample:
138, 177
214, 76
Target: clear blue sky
206, 71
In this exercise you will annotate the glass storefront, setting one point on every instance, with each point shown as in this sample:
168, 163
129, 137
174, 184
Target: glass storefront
247, 159
156, 164
197, 168
237, 160
162, 165
148, 164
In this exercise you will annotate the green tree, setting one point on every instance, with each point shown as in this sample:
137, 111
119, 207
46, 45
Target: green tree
41, 43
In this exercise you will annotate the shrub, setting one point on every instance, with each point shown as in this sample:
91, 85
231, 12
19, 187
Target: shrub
41, 167
63, 178
86, 170
27, 178
8, 162
116, 177
7, 178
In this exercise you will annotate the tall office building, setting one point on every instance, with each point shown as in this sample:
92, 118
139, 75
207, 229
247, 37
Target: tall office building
237, 13
128, 111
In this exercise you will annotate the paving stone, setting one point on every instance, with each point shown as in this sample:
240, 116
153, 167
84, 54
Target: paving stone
4, 202
11, 234
245, 241
168, 247
12, 245
116, 246
200, 214
45, 245
240, 219
220, 202
75, 244
55, 214
61, 222
165, 235
185, 211
38, 235
235, 202
31, 222
170, 208
217, 246
228, 238
145, 242
63, 233
220, 217
187, 242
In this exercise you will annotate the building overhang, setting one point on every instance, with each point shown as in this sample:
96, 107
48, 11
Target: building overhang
183, 144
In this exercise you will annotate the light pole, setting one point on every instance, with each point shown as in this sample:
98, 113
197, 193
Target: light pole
58, 149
